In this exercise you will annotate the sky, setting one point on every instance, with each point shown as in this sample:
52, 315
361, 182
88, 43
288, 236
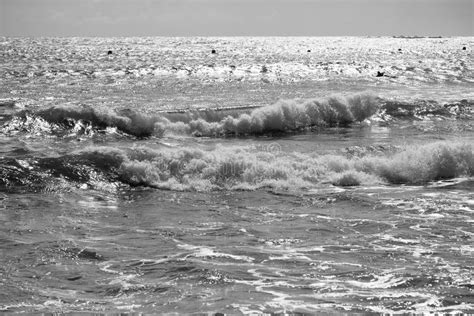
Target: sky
236, 17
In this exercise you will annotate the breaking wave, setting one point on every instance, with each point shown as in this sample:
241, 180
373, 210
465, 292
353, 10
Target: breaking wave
425, 108
237, 168
282, 117
62, 119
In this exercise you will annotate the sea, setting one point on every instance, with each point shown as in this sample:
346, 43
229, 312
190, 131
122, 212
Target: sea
236, 175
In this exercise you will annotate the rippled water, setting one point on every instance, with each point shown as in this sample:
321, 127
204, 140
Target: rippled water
163, 178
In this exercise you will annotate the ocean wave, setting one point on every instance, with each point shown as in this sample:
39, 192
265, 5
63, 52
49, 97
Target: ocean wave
83, 119
284, 116
237, 168
426, 108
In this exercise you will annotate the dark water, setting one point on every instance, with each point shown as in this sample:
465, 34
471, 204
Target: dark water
121, 193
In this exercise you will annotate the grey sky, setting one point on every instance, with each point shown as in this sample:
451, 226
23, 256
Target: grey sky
235, 17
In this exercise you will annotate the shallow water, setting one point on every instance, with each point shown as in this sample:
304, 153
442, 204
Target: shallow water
375, 249
111, 203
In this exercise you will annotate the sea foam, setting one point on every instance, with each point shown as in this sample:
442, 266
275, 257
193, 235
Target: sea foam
283, 116
280, 117
238, 168
244, 168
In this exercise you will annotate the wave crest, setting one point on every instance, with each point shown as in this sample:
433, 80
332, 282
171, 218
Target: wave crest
237, 168
250, 168
81, 120
283, 116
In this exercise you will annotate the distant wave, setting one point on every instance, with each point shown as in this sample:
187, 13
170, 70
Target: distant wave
423, 108
237, 168
281, 117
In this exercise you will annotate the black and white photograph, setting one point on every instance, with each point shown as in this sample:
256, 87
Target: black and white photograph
236, 157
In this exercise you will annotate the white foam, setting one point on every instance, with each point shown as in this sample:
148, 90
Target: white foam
203, 252
379, 282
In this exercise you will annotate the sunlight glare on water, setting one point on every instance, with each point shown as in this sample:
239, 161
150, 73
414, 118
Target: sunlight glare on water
276, 176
